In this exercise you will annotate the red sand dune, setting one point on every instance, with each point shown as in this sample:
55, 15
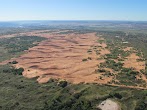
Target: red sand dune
61, 57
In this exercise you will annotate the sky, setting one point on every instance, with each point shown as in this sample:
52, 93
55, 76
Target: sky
11, 10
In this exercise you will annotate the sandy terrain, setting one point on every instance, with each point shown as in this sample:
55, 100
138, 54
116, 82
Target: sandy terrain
131, 62
128, 48
61, 56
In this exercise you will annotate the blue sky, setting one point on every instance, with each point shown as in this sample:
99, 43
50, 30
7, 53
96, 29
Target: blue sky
73, 10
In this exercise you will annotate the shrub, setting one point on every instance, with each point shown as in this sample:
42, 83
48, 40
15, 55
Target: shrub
77, 95
7, 70
101, 70
62, 84
84, 59
117, 95
134, 72
82, 105
140, 106
126, 69
13, 70
146, 71
101, 77
14, 62
89, 58
18, 71
89, 51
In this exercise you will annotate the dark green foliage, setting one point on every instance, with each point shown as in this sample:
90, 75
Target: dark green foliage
89, 58
142, 71
13, 47
108, 74
62, 84
101, 41
140, 60
89, 51
77, 95
18, 71
146, 71
137, 40
112, 64
126, 70
141, 106
127, 76
19, 93
67, 32
17, 44
117, 95
101, 70
111, 56
13, 62
129, 71
12, 70
84, 59
82, 105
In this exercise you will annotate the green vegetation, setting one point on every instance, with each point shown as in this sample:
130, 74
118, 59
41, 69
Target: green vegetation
66, 32
116, 47
10, 69
127, 76
86, 59
114, 60
101, 41
13, 62
89, 51
62, 83
18, 93
13, 47
112, 64
101, 70
135, 38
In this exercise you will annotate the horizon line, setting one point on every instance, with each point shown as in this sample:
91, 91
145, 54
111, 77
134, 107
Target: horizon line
72, 20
